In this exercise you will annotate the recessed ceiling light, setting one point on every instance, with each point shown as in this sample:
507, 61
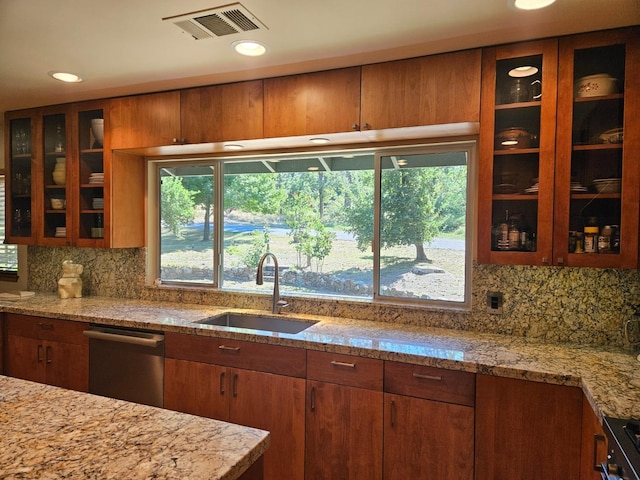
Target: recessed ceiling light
402, 162
233, 146
66, 77
532, 4
250, 48
523, 71
313, 169
319, 140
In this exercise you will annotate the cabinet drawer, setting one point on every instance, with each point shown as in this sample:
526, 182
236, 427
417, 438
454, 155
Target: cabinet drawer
236, 353
430, 382
44, 328
345, 370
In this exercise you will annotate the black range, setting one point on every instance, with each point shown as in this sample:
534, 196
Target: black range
624, 449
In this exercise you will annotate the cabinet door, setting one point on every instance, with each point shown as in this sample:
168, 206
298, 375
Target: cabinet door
517, 147
313, 103
21, 159
24, 358
67, 365
431, 90
594, 444
222, 112
526, 430
343, 432
598, 139
196, 388
274, 403
423, 436
145, 120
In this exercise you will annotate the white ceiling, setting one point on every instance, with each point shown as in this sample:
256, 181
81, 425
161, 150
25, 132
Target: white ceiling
123, 47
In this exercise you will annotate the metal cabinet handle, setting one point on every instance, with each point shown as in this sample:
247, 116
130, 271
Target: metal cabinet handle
234, 388
597, 438
313, 399
226, 347
427, 377
355, 126
48, 354
222, 383
560, 261
393, 416
40, 351
343, 364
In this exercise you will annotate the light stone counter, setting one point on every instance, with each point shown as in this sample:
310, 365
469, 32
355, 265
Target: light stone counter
609, 377
48, 432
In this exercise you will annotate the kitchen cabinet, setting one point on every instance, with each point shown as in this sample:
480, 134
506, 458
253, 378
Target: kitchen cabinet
47, 350
594, 444
251, 384
21, 136
428, 422
344, 417
527, 430
312, 103
68, 189
552, 146
436, 89
597, 144
222, 112
145, 120
517, 153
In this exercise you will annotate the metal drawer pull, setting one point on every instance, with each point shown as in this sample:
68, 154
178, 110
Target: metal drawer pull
225, 347
343, 364
427, 377
143, 339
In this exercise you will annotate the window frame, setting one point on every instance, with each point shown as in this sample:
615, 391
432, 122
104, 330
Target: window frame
217, 161
7, 275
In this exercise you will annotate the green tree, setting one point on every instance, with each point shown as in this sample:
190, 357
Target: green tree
176, 205
201, 188
258, 193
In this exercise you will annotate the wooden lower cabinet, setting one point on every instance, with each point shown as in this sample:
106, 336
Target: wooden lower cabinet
427, 439
527, 430
47, 351
594, 444
256, 399
344, 417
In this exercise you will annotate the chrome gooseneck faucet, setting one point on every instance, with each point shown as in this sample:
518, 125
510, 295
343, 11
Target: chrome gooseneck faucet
278, 303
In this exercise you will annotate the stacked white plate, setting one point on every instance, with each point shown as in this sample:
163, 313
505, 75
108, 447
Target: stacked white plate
97, 177
98, 203
532, 189
61, 232
577, 188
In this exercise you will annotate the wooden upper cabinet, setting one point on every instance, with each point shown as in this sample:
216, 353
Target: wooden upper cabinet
145, 120
430, 90
222, 112
313, 103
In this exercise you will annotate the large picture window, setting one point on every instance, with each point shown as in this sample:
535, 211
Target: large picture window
364, 224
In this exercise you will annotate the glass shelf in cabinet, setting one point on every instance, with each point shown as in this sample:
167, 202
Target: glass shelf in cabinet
516, 151
599, 98
516, 105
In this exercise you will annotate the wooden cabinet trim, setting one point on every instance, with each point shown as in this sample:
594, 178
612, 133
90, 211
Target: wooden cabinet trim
44, 328
430, 383
289, 361
345, 370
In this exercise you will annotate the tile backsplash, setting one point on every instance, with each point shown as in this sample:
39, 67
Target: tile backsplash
555, 304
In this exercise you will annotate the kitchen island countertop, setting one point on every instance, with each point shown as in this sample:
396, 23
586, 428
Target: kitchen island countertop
50, 432
609, 377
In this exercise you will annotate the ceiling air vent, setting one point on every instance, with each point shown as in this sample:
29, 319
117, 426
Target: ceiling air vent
217, 22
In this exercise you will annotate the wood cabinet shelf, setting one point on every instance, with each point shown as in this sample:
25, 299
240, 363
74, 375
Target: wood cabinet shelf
517, 197
517, 151
599, 98
597, 146
519, 105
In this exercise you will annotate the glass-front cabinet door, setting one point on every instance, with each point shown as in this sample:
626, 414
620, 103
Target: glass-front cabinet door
90, 172
517, 153
56, 199
598, 145
19, 171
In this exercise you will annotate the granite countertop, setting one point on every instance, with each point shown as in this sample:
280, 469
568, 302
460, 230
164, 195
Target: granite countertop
50, 432
609, 377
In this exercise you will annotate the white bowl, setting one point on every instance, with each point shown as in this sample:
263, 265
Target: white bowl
97, 127
596, 85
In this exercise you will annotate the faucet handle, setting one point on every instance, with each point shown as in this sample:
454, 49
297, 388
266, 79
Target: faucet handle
282, 303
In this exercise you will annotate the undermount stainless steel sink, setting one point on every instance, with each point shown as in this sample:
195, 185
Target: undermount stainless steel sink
258, 322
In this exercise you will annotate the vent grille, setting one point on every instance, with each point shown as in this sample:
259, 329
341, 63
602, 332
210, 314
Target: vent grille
217, 22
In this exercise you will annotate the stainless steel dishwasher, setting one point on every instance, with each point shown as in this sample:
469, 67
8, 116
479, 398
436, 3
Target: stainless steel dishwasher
126, 364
